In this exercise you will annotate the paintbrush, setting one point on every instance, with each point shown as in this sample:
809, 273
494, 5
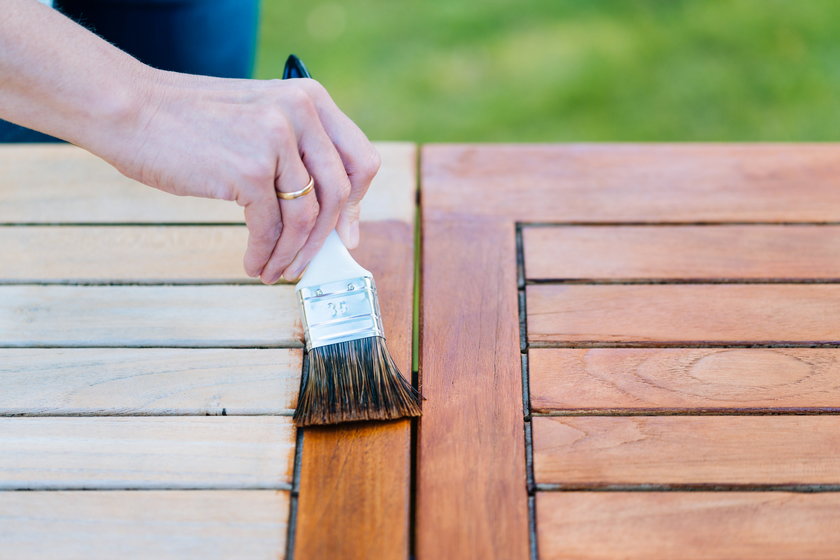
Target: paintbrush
351, 376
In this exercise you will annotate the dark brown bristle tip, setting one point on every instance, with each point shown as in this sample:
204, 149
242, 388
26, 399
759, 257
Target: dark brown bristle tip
354, 381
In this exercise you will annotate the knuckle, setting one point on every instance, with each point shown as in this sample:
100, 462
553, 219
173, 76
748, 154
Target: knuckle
312, 87
223, 192
343, 193
267, 235
300, 101
371, 165
256, 171
304, 220
277, 122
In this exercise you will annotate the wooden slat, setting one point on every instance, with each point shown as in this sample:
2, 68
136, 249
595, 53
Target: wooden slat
392, 194
677, 314
148, 381
693, 525
146, 453
48, 183
149, 316
634, 182
598, 451
52, 183
356, 479
176, 525
471, 491
123, 253
682, 252
680, 379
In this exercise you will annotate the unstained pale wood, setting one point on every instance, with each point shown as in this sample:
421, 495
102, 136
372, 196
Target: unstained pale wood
688, 525
54, 183
598, 183
148, 381
355, 479
683, 379
694, 450
684, 314
146, 453
102, 254
149, 316
337, 512
471, 491
682, 252
176, 525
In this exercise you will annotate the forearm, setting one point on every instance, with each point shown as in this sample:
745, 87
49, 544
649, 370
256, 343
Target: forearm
242, 140
59, 78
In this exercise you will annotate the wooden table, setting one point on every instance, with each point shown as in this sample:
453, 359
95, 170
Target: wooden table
627, 351
147, 385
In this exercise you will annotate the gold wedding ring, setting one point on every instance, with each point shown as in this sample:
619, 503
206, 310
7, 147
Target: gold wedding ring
297, 194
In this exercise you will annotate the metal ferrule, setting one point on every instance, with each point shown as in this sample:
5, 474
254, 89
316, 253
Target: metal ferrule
340, 311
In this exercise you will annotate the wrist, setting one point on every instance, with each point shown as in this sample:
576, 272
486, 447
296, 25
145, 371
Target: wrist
120, 109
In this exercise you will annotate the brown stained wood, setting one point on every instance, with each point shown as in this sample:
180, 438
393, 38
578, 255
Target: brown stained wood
468, 190
634, 182
354, 498
208, 452
471, 489
682, 252
684, 314
688, 525
54, 183
149, 316
683, 379
698, 450
165, 525
354, 492
148, 381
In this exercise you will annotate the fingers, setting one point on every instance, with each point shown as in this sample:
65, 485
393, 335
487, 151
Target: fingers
361, 161
348, 220
325, 143
262, 216
332, 187
298, 217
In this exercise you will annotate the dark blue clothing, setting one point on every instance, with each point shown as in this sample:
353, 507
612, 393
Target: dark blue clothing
208, 37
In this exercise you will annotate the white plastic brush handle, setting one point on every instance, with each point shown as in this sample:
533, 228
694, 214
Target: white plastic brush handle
333, 262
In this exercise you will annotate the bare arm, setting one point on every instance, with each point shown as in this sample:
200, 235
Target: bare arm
192, 135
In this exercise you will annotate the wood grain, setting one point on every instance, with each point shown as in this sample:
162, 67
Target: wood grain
103, 254
599, 451
356, 479
51, 183
684, 314
146, 453
148, 381
633, 182
682, 252
171, 525
149, 316
682, 379
471, 489
693, 525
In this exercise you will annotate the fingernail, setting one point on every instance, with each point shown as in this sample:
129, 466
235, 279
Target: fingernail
292, 274
273, 279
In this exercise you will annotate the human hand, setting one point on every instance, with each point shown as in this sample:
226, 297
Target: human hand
243, 140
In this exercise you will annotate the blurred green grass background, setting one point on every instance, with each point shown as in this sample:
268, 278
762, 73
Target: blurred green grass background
569, 70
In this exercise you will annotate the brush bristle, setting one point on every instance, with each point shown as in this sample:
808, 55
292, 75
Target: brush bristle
354, 381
